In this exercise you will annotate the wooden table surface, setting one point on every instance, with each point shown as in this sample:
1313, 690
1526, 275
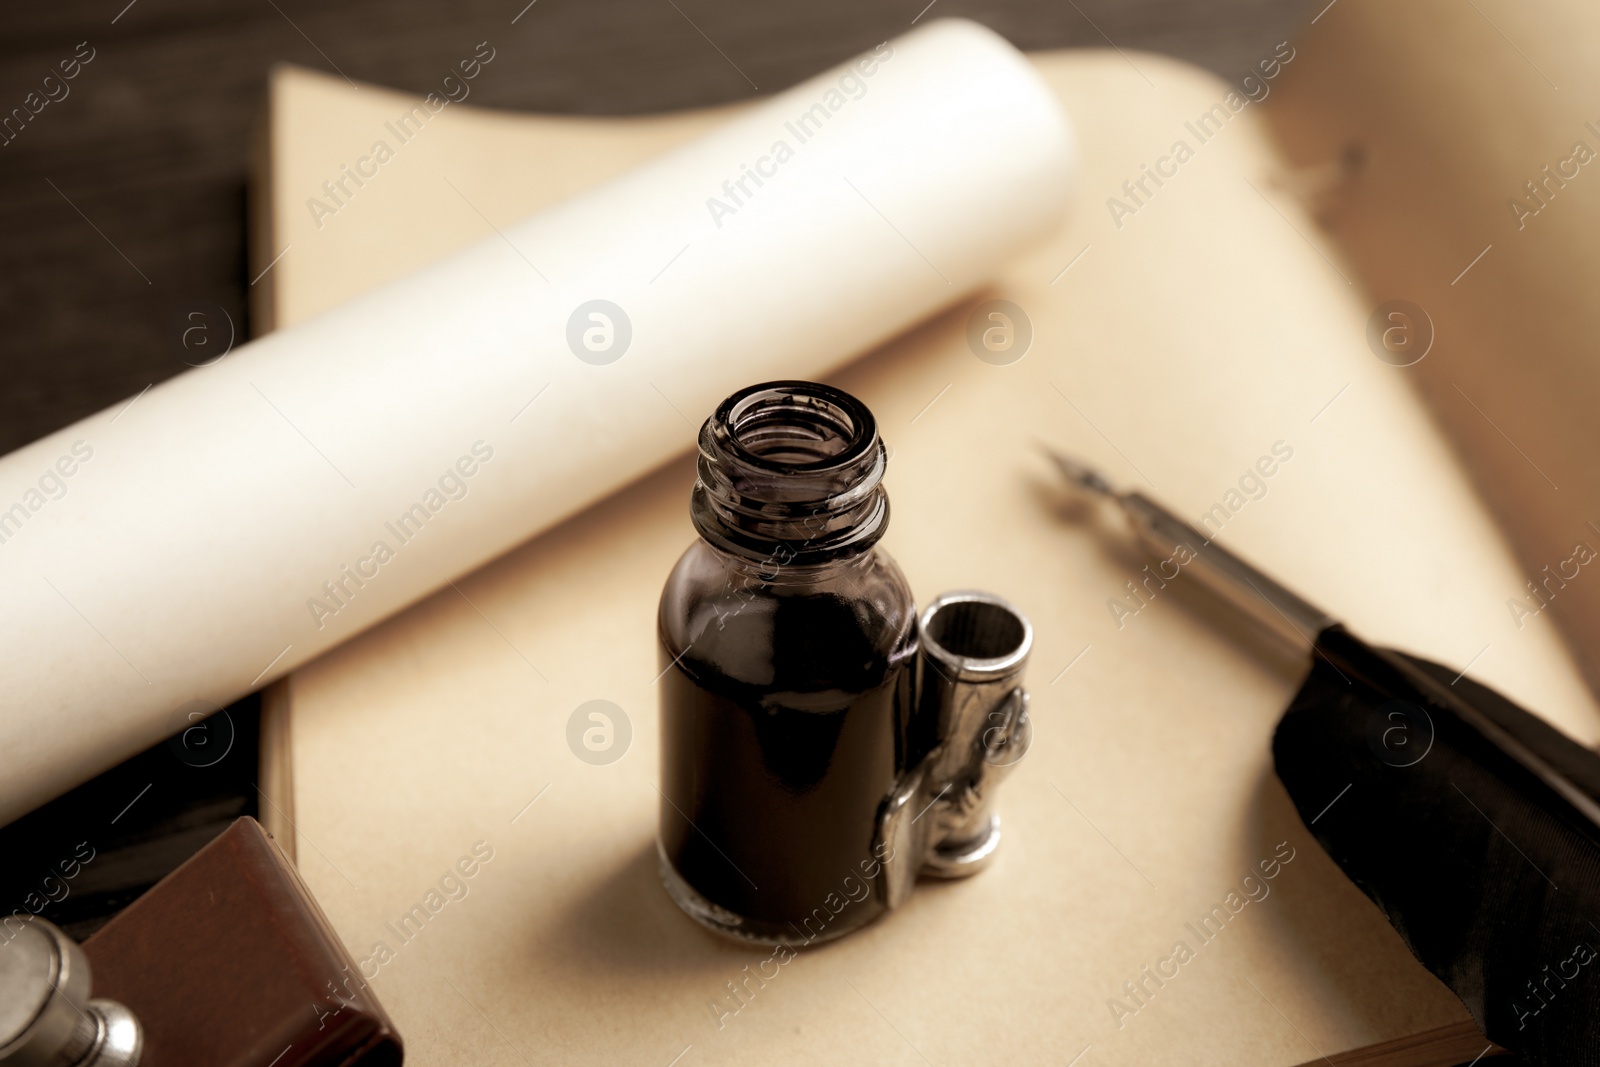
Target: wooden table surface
122, 204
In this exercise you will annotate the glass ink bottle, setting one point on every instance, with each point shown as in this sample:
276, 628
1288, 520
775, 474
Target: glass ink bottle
787, 645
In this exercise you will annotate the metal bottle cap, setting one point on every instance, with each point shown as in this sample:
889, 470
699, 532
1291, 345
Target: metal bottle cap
46, 1016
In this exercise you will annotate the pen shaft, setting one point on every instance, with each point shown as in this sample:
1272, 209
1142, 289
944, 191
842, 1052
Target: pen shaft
1280, 611
1299, 624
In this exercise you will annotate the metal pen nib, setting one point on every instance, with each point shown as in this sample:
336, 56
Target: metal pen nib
1295, 621
1298, 623
1084, 476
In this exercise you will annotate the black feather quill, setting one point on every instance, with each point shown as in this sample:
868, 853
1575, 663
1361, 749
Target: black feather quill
1471, 823
1468, 821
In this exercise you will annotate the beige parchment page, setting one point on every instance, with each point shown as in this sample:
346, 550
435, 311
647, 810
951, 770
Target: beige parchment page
1176, 350
1454, 110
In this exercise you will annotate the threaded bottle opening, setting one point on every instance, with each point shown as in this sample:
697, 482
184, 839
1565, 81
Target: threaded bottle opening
791, 472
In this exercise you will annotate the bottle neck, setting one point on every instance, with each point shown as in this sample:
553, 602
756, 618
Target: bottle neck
790, 473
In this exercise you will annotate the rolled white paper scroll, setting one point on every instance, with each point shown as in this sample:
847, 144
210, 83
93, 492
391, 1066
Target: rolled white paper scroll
177, 552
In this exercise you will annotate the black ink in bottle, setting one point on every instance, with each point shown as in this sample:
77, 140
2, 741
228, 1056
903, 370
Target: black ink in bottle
787, 639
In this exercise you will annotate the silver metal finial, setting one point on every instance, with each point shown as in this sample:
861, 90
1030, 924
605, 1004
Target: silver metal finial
46, 1016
